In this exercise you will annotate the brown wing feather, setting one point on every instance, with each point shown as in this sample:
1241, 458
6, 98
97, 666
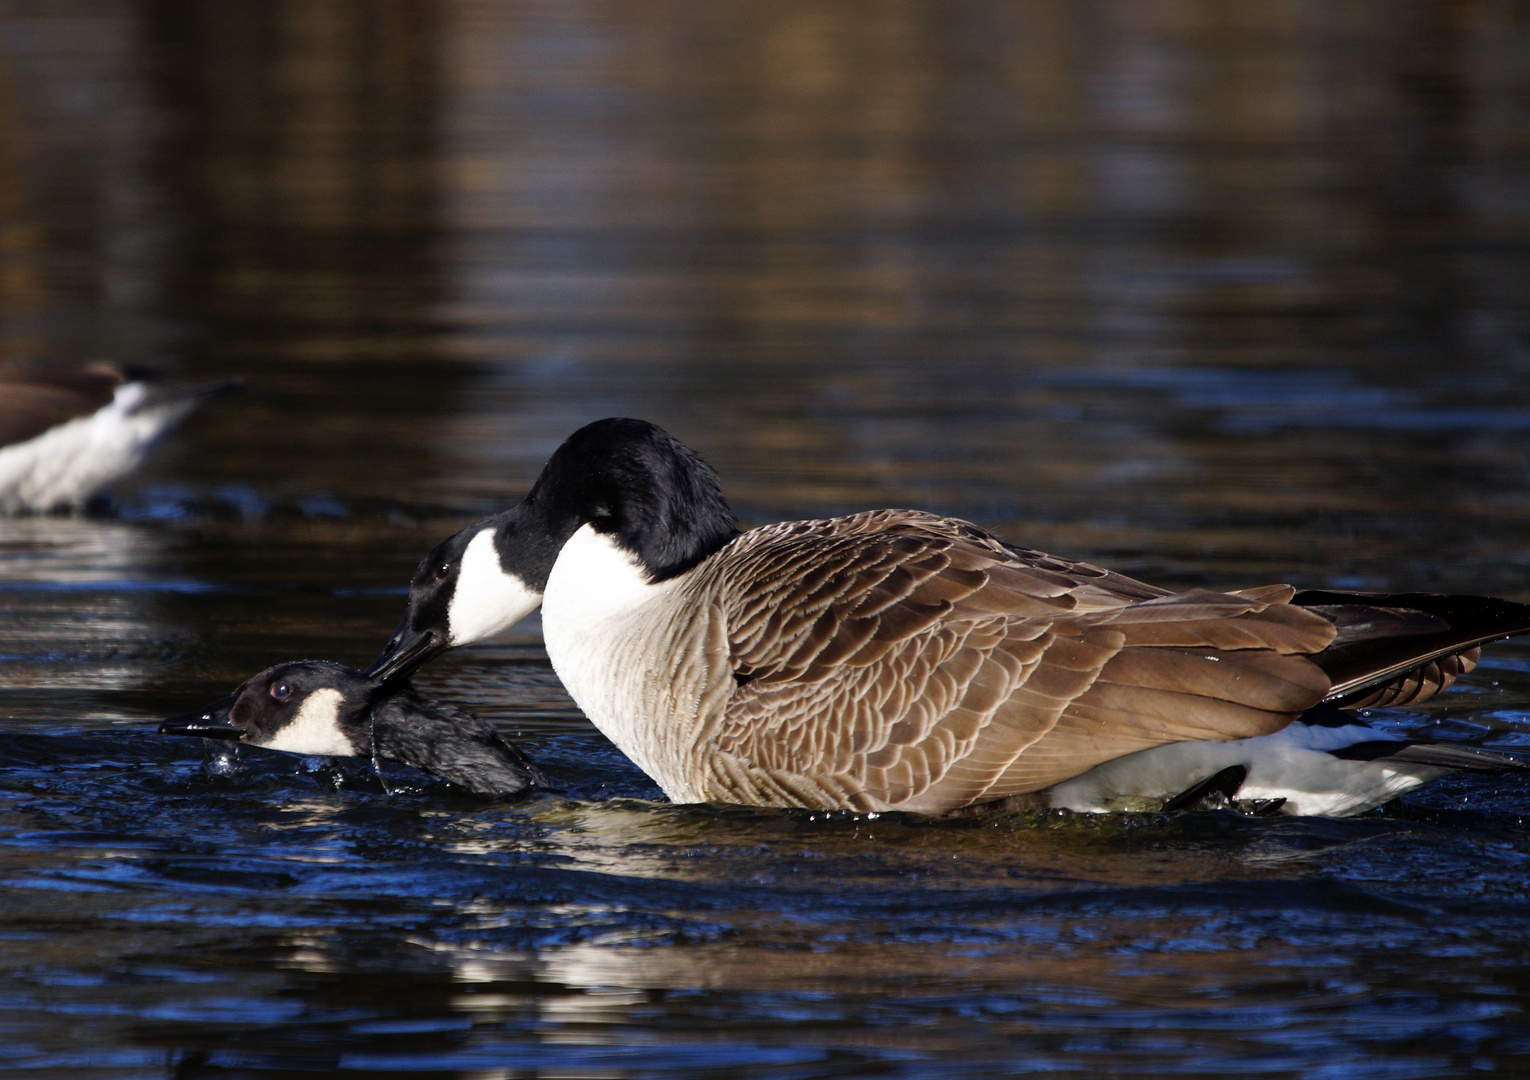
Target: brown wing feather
32, 401
901, 660
1202, 619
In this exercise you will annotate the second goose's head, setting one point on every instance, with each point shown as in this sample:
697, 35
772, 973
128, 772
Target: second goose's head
635, 485
304, 707
319, 708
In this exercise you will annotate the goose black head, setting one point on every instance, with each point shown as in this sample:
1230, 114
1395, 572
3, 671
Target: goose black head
304, 707
316, 707
647, 492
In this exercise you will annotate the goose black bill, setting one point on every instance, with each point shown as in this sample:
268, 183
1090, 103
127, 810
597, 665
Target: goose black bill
209, 723
405, 652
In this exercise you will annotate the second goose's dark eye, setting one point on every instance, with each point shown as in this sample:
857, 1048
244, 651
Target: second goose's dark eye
281, 691
443, 571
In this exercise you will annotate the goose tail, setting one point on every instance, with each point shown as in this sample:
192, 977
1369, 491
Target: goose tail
1402, 648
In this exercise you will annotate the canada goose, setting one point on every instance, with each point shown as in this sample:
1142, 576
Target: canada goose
316, 707
65, 434
898, 660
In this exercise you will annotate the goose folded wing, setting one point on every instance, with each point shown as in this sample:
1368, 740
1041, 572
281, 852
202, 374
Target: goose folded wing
927, 672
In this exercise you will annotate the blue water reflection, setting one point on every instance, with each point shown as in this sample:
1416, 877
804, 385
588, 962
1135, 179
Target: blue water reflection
1214, 296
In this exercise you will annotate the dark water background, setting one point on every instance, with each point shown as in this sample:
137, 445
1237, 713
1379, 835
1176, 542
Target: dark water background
1211, 293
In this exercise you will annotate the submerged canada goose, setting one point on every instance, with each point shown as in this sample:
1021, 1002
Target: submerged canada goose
66, 434
898, 660
320, 708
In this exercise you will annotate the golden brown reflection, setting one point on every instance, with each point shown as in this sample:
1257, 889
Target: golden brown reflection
82, 226
855, 251
306, 153
1015, 852
950, 151
1103, 972
1076, 959
914, 167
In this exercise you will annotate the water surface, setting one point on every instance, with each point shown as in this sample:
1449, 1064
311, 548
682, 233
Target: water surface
1213, 297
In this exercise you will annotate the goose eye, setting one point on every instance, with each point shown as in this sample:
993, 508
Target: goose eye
281, 691
443, 571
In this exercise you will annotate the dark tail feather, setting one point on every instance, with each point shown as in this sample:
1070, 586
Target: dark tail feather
1443, 755
1388, 641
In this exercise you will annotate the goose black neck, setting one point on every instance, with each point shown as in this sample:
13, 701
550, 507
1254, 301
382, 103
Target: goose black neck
636, 483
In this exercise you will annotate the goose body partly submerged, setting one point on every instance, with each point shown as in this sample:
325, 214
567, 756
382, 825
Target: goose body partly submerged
314, 707
898, 660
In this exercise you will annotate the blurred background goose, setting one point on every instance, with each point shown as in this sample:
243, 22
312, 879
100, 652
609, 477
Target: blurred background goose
899, 660
67, 433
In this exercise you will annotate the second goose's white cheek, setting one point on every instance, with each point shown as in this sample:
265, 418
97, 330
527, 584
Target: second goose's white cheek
315, 729
485, 600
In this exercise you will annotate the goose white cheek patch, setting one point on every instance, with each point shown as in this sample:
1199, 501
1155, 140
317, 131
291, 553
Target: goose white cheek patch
315, 729
486, 600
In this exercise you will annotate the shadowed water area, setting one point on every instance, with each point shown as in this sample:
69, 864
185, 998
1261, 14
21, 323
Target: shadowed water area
1211, 294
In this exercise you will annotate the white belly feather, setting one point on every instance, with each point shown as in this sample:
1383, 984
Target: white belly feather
1292, 764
